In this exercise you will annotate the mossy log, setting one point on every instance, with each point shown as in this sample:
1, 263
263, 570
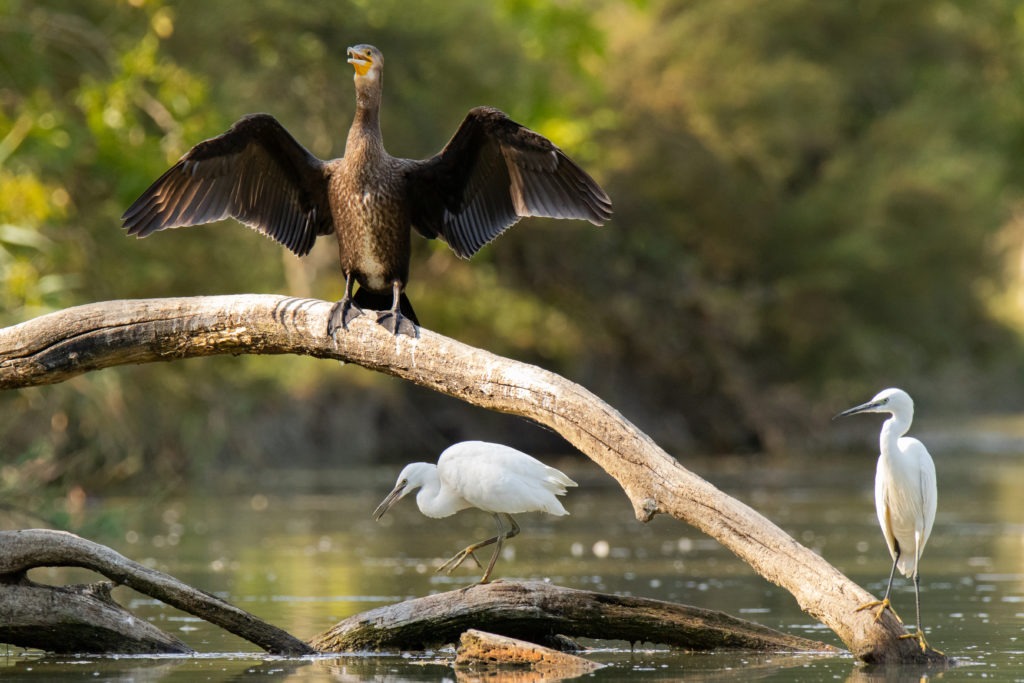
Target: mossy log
537, 612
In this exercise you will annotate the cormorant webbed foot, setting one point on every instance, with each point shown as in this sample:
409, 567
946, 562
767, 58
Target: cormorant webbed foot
396, 323
342, 313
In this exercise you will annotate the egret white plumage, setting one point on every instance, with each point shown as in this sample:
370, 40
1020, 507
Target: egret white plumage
905, 494
489, 476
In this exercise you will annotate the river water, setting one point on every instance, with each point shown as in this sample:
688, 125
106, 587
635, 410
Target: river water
300, 550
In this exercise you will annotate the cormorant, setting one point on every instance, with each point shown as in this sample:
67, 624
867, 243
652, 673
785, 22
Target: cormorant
492, 172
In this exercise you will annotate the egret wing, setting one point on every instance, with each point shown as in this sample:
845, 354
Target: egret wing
256, 172
497, 478
929, 495
493, 172
911, 501
883, 508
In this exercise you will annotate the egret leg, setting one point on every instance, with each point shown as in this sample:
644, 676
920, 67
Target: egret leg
343, 312
469, 551
393, 320
917, 601
884, 603
502, 537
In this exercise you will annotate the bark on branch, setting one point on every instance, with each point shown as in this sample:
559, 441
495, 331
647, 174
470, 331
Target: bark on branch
534, 610
58, 346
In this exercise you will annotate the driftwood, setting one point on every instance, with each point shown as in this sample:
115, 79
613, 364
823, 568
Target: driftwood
42, 616
482, 652
67, 343
534, 611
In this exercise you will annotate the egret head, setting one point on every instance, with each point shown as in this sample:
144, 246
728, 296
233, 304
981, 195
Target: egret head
895, 401
413, 476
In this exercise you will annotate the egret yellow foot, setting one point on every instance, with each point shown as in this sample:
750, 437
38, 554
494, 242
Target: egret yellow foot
882, 605
460, 557
919, 636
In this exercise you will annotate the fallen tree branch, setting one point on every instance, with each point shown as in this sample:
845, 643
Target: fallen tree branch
30, 548
58, 346
75, 619
534, 611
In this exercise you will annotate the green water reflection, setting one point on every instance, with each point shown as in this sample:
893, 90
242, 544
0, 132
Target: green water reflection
301, 551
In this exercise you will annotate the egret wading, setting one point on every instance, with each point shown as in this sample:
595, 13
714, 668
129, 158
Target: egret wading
905, 495
490, 174
489, 476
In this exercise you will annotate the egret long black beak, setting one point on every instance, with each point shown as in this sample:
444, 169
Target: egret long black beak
392, 498
862, 408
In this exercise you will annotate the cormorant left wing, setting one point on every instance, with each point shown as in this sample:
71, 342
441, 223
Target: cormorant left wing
493, 172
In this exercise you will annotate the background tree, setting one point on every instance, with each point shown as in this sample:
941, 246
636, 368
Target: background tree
813, 200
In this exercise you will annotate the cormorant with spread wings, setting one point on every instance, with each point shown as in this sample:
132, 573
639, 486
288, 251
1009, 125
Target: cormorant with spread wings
490, 174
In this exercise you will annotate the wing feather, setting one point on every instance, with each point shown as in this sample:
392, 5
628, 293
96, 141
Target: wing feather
492, 173
256, 172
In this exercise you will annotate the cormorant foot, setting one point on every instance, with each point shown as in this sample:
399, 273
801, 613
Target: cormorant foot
396, 323
882, 605
342, 313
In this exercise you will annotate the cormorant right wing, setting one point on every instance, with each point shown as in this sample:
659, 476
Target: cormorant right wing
256, 172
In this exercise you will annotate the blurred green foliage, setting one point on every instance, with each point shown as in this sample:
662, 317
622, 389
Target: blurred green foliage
813, 200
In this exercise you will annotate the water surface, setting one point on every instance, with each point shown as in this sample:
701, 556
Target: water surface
301, 551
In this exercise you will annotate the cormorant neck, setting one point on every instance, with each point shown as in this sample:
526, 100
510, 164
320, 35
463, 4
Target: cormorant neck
365, 134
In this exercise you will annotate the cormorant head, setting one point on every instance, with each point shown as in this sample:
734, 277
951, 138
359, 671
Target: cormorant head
366, 60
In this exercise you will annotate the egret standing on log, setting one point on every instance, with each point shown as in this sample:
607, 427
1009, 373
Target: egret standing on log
489, 476
905, 495
490, 174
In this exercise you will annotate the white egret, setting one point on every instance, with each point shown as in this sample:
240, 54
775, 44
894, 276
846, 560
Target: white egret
489, 476
905, 494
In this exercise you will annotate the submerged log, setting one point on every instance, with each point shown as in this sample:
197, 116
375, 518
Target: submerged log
536, 611
61, 345
30, 548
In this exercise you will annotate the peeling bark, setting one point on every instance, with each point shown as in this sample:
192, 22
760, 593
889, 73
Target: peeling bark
483, 652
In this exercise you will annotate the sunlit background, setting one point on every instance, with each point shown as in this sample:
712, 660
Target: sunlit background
813, 201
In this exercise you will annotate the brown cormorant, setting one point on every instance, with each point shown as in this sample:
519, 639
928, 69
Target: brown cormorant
490, 174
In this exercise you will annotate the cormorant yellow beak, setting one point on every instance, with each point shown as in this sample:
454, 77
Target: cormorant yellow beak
361, 61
